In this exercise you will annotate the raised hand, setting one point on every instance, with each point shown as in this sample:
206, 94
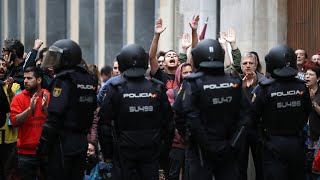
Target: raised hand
222, 40
231, 36
7, 58
158, 28
186, 41
9, 82
37, 44
194, 22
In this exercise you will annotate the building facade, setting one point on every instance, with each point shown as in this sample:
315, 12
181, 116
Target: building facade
102, 27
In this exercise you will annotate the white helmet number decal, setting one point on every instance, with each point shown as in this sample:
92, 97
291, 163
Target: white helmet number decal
211, 49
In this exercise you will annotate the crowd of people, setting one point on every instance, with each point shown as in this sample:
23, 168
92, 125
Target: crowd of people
197, 114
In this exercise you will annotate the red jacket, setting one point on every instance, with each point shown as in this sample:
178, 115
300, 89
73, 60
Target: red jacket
30, 130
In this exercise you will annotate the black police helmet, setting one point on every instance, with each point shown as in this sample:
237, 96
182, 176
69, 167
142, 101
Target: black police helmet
208, 54
72, 54
133, 60
281, 61
63, 54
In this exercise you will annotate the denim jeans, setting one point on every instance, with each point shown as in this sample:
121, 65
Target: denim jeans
28, 165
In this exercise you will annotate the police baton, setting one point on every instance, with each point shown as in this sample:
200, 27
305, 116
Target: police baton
234, 142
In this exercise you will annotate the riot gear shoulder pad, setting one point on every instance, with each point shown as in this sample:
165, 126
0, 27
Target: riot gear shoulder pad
64, 74
301, 81
118, 82
266, 82
195, 75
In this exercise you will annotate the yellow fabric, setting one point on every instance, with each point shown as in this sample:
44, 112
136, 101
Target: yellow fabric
11, 133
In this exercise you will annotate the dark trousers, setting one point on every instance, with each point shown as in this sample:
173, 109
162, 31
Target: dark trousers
135, 170
284, 158
6, 163
219, 169
28, 166
65, 167
251, 141
164, 160
176, 163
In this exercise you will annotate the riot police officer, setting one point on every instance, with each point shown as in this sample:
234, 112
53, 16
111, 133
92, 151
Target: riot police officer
210, 106
134, 119
282, 106
70, 112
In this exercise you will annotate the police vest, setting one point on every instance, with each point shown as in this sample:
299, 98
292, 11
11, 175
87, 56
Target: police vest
218, 98
82, 101
285, 112
138, 108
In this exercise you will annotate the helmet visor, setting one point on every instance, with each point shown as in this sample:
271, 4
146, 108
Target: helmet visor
53, 58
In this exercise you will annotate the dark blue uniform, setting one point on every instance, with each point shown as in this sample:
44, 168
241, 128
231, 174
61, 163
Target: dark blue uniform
72, 103
134, 121
282, 107
211, 106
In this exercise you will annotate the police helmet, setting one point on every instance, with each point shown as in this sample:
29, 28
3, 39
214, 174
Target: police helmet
281, 61
208, 54
63, 54
133, 60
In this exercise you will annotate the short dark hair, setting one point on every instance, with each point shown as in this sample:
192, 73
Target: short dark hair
42, 51
160, 53
107, 70
171, 50
37, 72
14, 44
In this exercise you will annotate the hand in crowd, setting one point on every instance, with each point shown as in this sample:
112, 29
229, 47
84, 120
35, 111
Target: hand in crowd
194, 22
231, 37
33, 101
312, 94
7, 58
9, 83
222, 40
44, 104
159, 28
186, 42
37, 44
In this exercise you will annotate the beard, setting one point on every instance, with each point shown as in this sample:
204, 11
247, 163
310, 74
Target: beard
31, 89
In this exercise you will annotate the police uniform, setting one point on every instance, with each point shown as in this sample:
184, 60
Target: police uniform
70, 112
210, 105
134, 119
282, 107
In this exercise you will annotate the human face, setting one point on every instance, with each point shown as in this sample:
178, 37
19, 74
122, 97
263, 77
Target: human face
31, 83
171, 59
3, 69
248, 65
161, 62
316, 58
5, 52
311, 78
115, 70
186, 71
301, 57
91, 150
